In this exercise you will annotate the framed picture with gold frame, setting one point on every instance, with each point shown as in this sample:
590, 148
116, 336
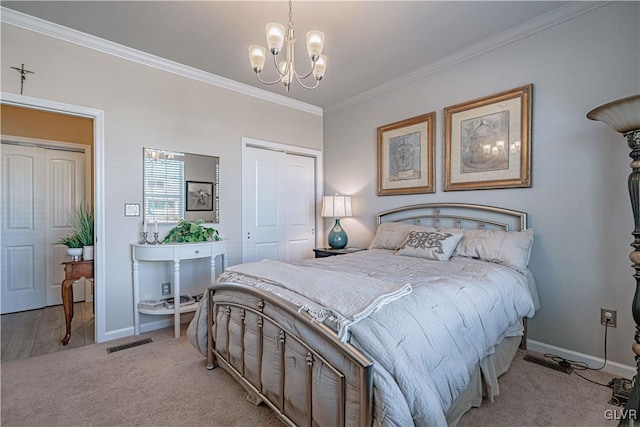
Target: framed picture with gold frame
405, 156
487, 142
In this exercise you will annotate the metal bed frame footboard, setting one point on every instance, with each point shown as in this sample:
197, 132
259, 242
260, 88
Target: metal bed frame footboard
285, 359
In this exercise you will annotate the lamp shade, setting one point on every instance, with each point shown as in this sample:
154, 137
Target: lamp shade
622, 115
336, 206
257, 56
275, 37
320, 67
315, 43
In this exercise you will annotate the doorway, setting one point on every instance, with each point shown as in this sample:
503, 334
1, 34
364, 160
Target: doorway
97, 189
280, 196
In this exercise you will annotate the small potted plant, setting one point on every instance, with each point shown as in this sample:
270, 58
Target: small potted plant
74, 247
191, 232
81, 221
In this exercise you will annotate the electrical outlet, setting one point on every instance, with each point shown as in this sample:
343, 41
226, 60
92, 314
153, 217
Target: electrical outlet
608, 317
166, 289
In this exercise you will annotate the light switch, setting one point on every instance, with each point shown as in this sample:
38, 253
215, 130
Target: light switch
131, 209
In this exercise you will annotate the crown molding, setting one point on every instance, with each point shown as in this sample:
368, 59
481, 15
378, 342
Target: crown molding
526, 29
31, 23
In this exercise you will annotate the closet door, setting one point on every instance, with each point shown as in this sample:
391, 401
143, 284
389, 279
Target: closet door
300, 216
40, 188
23, 237
278, 205
65, 190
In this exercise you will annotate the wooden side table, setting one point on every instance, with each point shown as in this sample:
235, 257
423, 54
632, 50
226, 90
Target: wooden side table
325, 252
73, 271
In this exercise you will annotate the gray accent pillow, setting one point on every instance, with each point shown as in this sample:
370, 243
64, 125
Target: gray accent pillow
438, 245
392, 235
510, 248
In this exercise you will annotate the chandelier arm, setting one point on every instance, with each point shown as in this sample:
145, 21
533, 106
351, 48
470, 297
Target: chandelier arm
286, 70
309, 73
305, 86
268, 83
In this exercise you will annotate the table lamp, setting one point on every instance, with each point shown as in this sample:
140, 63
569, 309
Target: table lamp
338, 207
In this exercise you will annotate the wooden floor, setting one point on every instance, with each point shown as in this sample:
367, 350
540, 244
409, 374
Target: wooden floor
35, 332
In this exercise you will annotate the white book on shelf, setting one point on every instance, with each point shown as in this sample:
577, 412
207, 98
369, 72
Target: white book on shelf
151, 304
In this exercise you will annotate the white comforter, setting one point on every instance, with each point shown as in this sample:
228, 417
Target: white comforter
426, 345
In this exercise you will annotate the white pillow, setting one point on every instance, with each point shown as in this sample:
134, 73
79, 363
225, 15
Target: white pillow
510, 248
438, 245
392, 235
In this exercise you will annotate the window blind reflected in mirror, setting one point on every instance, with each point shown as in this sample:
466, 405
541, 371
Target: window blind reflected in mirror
163, 186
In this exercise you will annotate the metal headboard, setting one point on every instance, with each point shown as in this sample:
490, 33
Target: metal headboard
456, 215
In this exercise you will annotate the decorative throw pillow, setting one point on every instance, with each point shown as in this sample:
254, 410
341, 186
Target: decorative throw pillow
392, 235
510, 248
438, 245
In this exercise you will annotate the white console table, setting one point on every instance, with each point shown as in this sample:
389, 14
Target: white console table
176, 253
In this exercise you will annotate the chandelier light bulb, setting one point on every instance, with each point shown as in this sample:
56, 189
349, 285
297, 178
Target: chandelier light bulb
320, 67
315, 43
257, 56
286, 73
275, 37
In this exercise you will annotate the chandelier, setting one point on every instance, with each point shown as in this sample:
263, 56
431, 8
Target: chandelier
286, 69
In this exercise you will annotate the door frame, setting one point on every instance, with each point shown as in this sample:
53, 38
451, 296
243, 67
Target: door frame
98, 190
299, 151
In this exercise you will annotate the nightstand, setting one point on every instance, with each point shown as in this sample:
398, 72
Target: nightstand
325, 252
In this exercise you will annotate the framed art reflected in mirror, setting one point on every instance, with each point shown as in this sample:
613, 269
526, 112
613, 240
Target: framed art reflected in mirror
199, 196
168, 178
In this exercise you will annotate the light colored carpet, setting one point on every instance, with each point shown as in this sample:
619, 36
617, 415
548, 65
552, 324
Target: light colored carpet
164, 383
533, 395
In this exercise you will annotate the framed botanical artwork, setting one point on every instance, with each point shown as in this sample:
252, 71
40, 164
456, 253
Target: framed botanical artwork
487, 142
405, 156
199, 196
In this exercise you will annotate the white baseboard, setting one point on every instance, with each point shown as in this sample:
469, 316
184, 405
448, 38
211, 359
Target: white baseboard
118, 333
614, 368
144, 327
157, 324
163, 323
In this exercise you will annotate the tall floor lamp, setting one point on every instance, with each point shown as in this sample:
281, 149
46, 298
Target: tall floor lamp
623, 115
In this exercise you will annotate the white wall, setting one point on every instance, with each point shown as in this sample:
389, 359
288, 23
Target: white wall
147, 107
578, 202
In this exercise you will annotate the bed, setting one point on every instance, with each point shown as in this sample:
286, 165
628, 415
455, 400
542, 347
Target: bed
414, 331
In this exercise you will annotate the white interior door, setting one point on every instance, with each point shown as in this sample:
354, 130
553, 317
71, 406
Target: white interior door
23, 237
300, 218
65, 190
40, 187
278, 193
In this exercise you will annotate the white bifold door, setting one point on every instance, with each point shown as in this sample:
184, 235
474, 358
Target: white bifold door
40, 188
278, 205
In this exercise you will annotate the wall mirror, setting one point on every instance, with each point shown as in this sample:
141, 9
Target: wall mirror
180, 186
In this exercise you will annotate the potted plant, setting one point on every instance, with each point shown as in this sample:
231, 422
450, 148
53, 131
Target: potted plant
191, 232
81, 221
74, 247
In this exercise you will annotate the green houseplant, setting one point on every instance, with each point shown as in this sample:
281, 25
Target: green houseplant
71, 241
191, 232
74, 247
81, 221
80, 241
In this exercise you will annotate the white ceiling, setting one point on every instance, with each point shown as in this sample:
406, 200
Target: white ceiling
368, 43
